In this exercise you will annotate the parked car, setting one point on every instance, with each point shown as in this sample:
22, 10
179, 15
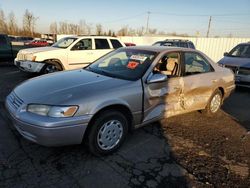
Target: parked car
66, 54
129, 44
6, 52
38, 43
238, 60
24, 39
175, 43
123, 90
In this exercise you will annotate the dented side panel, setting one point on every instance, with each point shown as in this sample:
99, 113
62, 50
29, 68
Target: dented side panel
163, 99
198, 90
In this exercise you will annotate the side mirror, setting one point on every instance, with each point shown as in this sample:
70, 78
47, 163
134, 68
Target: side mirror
226, 54
156, 78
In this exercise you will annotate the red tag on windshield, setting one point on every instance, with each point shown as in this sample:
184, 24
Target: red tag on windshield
132, 64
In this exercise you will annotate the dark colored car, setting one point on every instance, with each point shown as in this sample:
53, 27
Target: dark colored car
175, 43
238, 60
5, 48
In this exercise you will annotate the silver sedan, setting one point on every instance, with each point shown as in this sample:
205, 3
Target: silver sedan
123, 90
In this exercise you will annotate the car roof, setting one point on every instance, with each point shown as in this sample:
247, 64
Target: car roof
160, 49
174, 40
244, 43
94, 36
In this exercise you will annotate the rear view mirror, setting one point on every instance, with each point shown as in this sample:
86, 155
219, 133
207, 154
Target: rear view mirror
226, 54
156, 78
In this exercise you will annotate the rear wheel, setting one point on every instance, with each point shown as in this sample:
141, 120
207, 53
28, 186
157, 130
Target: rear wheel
107, 132
214, 104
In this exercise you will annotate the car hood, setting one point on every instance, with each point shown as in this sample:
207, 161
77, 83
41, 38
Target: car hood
38, 49
65, 87
235, 61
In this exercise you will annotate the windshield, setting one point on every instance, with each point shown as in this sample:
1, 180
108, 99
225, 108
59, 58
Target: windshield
64, 42
128, 64
240, 51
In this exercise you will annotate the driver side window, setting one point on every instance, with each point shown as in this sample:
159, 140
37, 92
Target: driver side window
169, 65
84, 44
195, 64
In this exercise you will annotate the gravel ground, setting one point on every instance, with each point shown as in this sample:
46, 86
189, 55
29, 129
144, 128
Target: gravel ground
184, 151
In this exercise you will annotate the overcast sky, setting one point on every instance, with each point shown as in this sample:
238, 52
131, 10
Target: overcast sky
181, 16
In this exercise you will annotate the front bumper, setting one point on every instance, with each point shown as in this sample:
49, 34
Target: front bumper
242, 75
48, 131
29, 66
242, 80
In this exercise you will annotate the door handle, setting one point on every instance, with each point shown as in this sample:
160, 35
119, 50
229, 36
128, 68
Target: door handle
214, 80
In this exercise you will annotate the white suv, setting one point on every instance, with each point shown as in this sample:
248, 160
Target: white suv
66, 54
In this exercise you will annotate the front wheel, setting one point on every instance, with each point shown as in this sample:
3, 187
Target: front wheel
51, 67
214, 104
107, 132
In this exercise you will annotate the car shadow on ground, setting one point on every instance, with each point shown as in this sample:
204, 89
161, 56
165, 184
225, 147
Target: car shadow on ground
144, 160
237, 105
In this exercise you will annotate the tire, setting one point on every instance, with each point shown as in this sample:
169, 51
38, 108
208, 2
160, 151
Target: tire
214, 104
107, 132
51, 67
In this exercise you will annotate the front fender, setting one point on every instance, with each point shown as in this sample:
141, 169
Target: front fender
111, 102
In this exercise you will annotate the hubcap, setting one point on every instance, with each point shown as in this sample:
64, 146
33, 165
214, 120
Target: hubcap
215, 103
109, 134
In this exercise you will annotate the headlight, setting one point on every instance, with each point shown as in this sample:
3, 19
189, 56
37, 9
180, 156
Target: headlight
52, 111
221, 65
30, 57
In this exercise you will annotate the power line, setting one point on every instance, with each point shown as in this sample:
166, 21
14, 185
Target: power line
226, 14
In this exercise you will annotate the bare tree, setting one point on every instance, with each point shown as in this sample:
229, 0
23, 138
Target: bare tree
12, 24
29, 22
83, 27
63, 28
3, 25
109, 33
152, 31
123, 31
140, 31
53, 28
73, 29
98, 29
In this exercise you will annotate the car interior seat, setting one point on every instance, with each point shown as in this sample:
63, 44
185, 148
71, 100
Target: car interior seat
115, 62
171, 66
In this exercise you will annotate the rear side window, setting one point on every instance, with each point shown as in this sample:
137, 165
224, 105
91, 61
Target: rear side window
101, 44
115, 43
195, 64
191, 45
183, 44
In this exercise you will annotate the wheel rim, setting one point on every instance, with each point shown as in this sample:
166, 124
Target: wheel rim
51, 68
110, 134
215, 103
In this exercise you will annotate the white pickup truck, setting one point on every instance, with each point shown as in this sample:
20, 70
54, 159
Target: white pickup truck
66, 54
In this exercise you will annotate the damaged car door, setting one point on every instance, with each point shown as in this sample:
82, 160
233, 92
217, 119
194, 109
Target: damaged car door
199, 81
163, 98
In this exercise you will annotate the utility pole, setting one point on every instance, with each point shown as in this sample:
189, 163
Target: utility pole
147, 21
209, 24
